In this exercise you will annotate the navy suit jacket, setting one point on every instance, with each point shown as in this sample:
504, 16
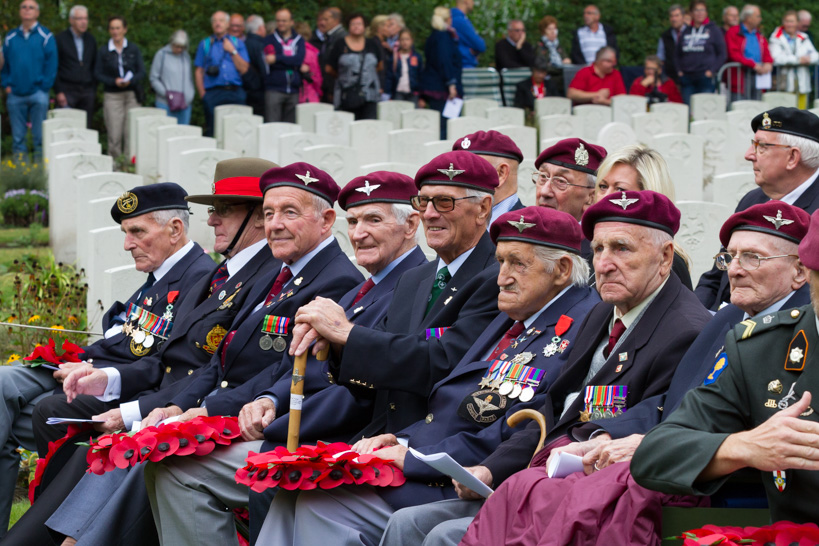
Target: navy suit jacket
396, 358
329, 274
199, 316
194, 265
450, 428
691, 372
712, 288
652, 351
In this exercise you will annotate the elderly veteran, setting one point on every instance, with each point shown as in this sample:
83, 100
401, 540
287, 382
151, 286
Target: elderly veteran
756, 413
160, 214
502, 152
382, 229
581, 508
626, 350
785, 157
544, 297
437, 310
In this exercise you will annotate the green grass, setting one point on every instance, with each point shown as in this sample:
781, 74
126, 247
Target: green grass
23, 237
17, 510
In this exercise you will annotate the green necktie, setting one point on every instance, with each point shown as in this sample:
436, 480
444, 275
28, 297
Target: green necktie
438, 286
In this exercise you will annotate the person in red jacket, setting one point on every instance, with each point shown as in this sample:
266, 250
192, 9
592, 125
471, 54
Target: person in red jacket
747, 46
654, 84
598, 82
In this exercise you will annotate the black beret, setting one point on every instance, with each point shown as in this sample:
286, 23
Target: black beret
791, 121
144, 199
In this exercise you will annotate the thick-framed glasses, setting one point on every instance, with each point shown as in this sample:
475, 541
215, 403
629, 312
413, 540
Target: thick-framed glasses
223, 209
747, 260
441, 203
762, 147
558, 183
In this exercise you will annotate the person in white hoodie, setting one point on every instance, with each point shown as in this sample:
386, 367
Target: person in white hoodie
793, 52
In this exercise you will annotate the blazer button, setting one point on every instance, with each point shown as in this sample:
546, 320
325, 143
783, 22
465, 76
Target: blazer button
429, 418
168, 369
190, 372
392, 406
224, 384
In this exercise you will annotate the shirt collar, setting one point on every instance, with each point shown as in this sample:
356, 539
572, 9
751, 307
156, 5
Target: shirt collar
111, 46
237, 262
745, 30
528, 322
171, 261
503, 207
802, 188
379, 276
299, 264
455, 264
772, 309
74, 34
629, 318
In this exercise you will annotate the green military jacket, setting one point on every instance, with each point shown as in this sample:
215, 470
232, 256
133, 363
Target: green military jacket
767, 364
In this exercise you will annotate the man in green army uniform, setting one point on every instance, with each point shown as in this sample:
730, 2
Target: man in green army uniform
755, 413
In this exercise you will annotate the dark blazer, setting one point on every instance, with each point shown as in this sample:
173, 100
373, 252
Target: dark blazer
508, 56
194, 265
691, 372
443, 63
106, 68
577, 53
670, 64
329, 274
253, 79
203, 320
71, 70
468, 304
712, 288
451, 428
654, 348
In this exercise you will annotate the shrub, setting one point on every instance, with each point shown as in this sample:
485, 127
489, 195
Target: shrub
22, 208
22, 176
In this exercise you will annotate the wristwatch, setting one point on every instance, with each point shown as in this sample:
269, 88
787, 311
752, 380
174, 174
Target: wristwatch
234, 52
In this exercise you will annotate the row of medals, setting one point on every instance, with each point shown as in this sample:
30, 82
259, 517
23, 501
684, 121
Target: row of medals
141, 337
513, 389
268, 342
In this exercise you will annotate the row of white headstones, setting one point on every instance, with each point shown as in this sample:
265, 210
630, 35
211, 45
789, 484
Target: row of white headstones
705, 158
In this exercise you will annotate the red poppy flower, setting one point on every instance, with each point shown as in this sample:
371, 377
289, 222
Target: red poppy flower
335, 476
124, 453
294, 475
146, 443
71, 352
166, 445
187, 444
266, 478
45, 352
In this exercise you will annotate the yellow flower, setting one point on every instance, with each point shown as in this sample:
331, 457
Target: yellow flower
57, 327
73, 320
34, 318
12, 358
11, 318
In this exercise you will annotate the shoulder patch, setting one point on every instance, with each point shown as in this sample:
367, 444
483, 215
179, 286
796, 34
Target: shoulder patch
769, 321
719, 367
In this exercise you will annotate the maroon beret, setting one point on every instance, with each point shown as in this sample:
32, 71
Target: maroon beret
774, 218
459, 169
377, 187
645, 208
809, 247
573, 153
303, 176
538, 226
489, 143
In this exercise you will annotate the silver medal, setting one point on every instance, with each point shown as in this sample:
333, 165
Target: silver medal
516, 390
139, 336
266, 343
279, 344
148, 342
527, 394
506, 387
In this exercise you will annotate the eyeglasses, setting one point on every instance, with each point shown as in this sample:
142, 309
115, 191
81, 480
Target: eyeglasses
748, 261
765, 145
441, 203
558, 183
223, 209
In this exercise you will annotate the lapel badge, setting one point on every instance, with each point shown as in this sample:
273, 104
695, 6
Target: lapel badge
298, 281
623, 357
446, 301
775, 386
771, 403
619, 368
222, 295
148, 301
780, 480
797, 352
358, 310
767, 319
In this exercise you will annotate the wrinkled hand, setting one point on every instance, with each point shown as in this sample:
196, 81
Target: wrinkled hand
85, 380
193, 413
66, 368
303, 336
113, 421
396, 454
326, 318
369, 445
480, 472
160, 414
254, 418
578, 448
610, 452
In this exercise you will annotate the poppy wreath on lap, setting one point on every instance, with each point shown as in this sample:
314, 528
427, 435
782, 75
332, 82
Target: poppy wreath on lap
47, 354
199, 436
322, 466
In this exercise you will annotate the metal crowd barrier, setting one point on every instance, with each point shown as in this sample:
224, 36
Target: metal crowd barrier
738, 82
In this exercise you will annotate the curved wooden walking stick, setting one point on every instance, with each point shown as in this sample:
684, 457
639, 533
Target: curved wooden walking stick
297, 396
519, 416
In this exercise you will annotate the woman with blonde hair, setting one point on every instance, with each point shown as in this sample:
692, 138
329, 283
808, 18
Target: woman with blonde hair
636, 168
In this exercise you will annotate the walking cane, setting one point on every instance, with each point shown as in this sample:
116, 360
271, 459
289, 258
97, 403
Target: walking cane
297, 396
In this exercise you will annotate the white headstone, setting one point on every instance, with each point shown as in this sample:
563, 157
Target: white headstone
550, 106
625, 106
594, 117
292, 145
740, 120
755, 106
684, 155
391, 111
74, 147
163, 135
96, 214
675, 112
341, 235
333, 159
306, 114
371, 140
63, 191
527, 190
524, 137
70, 134
118, 283
814, 111
615, 135
707, 106
549, 142
50, 126
335, 126
506, 115
132, 116
197, 168
477, 107
104, 249
647, 126
466, 125
242, 134
269, 134
423, 120
779, 98
561, 126
730, 188
406, 145
700, 223
174, 147
146, 149
219, 114
74, 113
723, 147
435, 148
403, 168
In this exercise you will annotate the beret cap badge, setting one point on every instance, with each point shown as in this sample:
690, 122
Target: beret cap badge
306, 178
127, 202
581, 155
624, 202
521, 224
367, 188
451, 172
766, 121
466, 143
777, 221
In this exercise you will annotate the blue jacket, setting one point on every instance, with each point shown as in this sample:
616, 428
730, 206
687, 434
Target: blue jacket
468, 39
443, 63
284, 75
31, 63
393, 75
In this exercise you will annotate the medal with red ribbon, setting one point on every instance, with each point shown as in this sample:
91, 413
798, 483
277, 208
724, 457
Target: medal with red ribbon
558, 345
